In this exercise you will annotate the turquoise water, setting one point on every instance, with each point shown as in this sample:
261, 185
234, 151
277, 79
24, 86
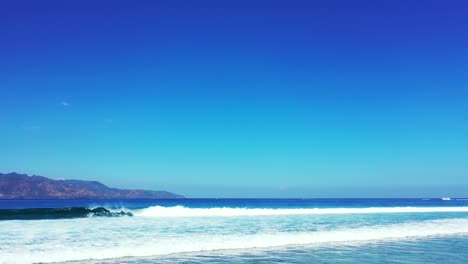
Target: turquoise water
240, 231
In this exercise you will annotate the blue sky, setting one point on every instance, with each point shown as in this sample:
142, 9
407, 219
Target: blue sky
239, 98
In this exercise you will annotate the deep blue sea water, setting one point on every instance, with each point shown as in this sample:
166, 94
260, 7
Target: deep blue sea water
235, 231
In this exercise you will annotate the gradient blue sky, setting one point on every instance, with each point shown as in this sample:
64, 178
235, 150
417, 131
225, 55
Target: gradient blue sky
239, 98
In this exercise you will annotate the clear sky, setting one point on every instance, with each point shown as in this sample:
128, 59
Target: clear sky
239, 98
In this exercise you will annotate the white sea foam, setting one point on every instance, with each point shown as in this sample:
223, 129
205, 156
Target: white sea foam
93, 238
180, 211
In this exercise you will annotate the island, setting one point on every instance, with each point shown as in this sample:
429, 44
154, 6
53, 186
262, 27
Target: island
21, 186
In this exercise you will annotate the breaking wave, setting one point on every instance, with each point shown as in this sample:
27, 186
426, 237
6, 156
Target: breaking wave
180, 211
58, 213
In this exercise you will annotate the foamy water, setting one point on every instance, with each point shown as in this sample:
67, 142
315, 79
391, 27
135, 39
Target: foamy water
159, 230
180, 211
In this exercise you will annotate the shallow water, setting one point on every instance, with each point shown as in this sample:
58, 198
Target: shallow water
451, 249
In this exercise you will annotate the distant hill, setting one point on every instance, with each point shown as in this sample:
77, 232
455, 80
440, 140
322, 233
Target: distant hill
22, 186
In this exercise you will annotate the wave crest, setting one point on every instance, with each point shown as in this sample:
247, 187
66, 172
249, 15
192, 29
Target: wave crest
59, 213
181, 211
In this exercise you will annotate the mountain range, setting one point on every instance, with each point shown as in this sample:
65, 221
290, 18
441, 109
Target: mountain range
21, 186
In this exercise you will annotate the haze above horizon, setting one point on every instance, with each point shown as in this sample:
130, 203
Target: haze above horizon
239, 98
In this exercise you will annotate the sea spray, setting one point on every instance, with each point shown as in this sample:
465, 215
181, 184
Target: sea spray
181, 211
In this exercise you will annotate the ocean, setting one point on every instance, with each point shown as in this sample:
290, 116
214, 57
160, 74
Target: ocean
234, 231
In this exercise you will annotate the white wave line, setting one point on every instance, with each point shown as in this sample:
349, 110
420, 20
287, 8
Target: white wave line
180, 211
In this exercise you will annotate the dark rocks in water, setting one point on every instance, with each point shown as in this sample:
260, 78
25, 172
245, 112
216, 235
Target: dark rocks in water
22, 186
101, 211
